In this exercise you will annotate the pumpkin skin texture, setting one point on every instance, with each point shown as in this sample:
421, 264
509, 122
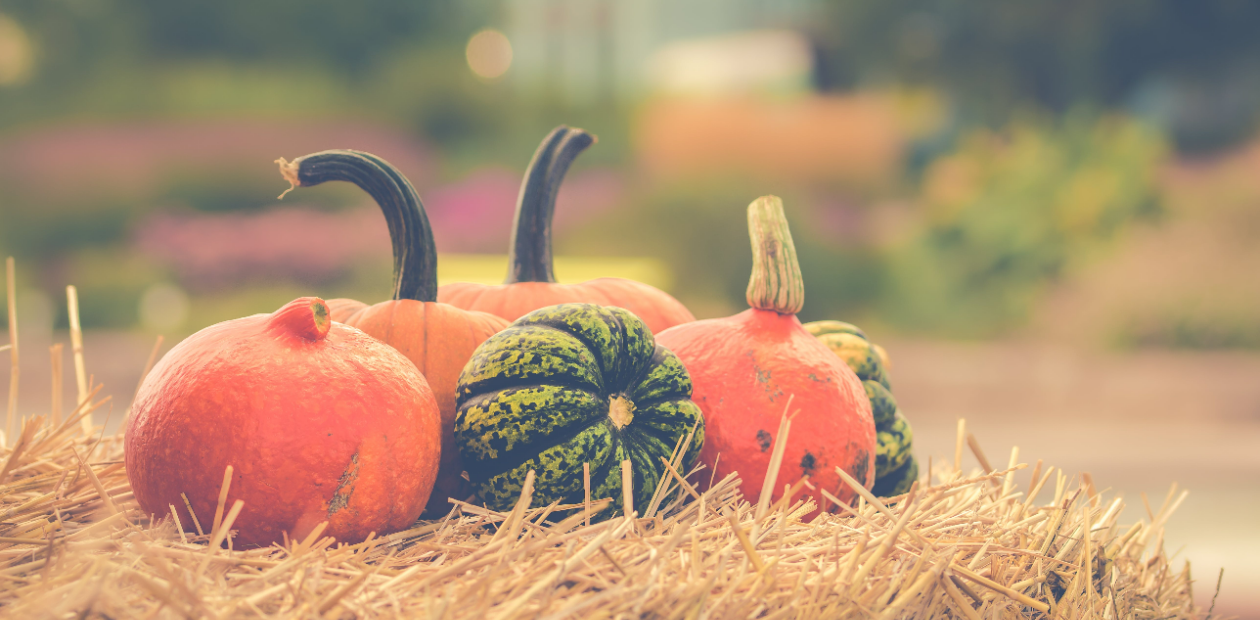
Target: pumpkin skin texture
319, 421
567, 385
895, 467
751, 368
438, 338
656, 308
531, 283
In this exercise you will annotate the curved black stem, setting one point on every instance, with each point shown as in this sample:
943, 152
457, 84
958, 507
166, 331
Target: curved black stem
415, 259
529, 256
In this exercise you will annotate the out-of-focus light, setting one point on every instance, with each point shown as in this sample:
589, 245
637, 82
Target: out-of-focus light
163, 307
489, 54
16, 57
759, 60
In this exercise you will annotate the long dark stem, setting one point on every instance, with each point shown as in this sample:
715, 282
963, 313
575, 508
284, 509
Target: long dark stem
415, 259
529, 256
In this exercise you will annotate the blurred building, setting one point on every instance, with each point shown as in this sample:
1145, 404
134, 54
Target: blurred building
582, 52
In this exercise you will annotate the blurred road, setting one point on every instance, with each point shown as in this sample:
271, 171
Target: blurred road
1137, 422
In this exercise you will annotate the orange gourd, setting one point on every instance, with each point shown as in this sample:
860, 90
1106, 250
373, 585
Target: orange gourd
531, 283
747, 370
438, 338
319, 422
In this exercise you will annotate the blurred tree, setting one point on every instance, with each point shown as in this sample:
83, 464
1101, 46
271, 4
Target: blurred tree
1008, 212
347, 36
124, 57
993, 56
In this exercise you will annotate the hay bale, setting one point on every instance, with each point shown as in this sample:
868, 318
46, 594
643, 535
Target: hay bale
73, 542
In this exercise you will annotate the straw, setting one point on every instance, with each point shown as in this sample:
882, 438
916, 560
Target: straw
76, 345
10, 279
967, 545
148, 366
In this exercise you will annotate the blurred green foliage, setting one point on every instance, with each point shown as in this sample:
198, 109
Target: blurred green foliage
1009, 212
1189, 65
1191, 328
700, 228
998, 215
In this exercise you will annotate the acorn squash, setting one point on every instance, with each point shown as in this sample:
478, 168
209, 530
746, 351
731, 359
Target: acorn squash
572, 384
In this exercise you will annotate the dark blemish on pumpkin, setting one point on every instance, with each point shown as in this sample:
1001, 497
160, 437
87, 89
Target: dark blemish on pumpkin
345, 486
764, 439
330, 434
807, 463
814, 377
861, 467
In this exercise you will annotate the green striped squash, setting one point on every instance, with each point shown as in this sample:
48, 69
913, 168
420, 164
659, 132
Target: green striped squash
893, 445
883, 406
897, 481
572, 384
857, 351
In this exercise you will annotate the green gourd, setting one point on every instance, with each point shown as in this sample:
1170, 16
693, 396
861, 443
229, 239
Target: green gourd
567, 385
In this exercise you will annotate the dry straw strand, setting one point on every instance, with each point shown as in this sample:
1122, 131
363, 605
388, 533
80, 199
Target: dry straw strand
73, 542
76, 346
10, 279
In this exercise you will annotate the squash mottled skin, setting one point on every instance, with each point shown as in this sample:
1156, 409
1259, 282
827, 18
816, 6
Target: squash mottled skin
567, 385
897, 481
895, 467
893, 445
883, 406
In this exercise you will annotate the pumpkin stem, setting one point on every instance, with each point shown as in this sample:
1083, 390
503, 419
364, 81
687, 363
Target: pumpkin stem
529, 256
415, 259
305, 317
776, 282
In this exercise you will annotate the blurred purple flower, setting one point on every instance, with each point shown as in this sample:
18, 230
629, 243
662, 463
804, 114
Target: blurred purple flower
471, 215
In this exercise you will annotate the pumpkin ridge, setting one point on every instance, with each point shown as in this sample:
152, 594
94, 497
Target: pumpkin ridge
520, 457
628, 378
498, 384
601, 474
646, 429
524, 452
586, 342
425, 315
506, 487
501, 384
511, 456
492, 367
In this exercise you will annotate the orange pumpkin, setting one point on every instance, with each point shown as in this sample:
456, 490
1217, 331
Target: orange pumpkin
438, 338
747, 369
531, 283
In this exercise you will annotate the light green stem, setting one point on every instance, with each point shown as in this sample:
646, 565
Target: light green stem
776, 282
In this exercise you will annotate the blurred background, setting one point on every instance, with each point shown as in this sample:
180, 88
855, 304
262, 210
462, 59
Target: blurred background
1048, 212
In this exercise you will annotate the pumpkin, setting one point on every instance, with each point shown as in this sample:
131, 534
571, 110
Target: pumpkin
567, 385
751, 368
438, 338
895, 468
319, 421
531, 283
